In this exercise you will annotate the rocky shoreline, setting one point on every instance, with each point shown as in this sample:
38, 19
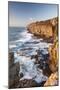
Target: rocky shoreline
14, 76
48, 30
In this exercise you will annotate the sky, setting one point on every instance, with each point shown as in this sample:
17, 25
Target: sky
21, 13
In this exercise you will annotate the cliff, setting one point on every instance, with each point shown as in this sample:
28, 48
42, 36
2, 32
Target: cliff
53, 65
48, 30
53, 59
45, 29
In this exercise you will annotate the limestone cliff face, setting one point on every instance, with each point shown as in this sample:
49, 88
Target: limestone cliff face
53, 60
45, 29
53, 64
53, 51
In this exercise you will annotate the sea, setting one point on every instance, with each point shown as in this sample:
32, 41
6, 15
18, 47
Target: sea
25, 46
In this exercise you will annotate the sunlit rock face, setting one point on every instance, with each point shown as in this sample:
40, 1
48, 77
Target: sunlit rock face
52, 80
53, 51
53, 60
44, 29
54, 21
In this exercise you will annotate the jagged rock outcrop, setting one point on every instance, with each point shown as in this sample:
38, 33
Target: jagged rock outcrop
13, 71
44, 29
52, 80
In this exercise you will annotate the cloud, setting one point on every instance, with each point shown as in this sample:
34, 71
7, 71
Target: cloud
31, 19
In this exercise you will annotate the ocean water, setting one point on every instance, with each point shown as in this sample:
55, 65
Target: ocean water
25, 46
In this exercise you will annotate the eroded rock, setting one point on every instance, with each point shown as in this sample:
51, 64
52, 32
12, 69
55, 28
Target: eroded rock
27, 83
52, 80
53, 60
44, 29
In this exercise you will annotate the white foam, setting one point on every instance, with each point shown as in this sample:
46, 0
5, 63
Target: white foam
26, 37
26, 76
43, 45
29, 69
27, 65
12, 46
40, 77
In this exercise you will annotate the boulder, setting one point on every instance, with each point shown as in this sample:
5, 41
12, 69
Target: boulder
52, 80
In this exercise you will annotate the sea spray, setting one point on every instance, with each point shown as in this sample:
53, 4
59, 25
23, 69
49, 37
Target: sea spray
30, 69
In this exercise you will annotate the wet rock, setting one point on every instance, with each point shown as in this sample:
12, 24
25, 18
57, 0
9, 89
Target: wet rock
37, 61
52, 80
27, 83
46, 70
13, 71
41, 59
45, 67
21, 75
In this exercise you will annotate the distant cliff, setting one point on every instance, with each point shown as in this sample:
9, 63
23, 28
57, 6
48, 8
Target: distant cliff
45, 29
